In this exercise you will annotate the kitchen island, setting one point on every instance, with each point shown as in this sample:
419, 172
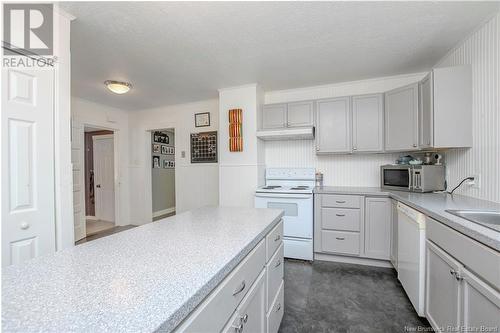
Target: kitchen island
150, 278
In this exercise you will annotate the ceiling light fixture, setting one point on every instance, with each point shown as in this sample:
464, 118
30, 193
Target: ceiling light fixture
118, 87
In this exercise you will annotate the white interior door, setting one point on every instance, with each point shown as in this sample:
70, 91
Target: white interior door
77, 161
28, 221
104, 177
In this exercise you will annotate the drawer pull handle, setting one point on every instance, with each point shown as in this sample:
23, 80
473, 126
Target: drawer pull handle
340, 215
278, 237
340, 201
245, 318
240, 289
278, 263
278, 307
340, 238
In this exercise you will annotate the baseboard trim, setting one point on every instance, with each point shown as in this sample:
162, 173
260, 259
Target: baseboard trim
91, 217
164, 211
353, 260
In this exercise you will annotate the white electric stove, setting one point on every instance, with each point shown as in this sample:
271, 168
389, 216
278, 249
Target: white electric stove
291, 190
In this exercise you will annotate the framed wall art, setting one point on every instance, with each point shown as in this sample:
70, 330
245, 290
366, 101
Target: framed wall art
156, 148
202, 119
160, 137
156, 162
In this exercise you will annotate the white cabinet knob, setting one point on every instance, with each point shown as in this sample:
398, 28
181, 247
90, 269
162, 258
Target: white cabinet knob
25, 225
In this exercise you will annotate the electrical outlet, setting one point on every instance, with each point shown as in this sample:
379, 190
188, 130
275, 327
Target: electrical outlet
476, 183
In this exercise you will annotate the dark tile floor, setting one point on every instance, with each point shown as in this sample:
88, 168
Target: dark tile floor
336, 297
104, 233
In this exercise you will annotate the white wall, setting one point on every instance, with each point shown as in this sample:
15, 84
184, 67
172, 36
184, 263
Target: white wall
338, 170
196, 185
240, 173
482, 50
89, 113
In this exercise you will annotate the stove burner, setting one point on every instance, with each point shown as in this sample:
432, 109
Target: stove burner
271, 187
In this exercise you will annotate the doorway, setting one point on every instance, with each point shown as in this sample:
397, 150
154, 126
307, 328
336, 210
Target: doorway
163, 173
99, 180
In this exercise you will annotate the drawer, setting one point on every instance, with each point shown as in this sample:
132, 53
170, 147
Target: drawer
342, 201
275, 314
214, 312
347, 219
274, 275
273, 240
343, 242
467, 251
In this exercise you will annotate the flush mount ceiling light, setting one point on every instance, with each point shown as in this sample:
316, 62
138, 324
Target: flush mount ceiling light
118, 87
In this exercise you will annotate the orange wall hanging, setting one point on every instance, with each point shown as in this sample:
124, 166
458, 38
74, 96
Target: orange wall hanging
235, 130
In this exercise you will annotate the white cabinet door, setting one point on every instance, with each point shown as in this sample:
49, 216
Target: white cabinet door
300, 114
394, 234
104, 177
481, 303
274, 116
27, 118
442, 301
401, 118
368, 123
333, 130
426, 124
378, 213
77, 162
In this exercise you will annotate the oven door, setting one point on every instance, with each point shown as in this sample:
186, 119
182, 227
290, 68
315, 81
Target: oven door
396, 178
298, 211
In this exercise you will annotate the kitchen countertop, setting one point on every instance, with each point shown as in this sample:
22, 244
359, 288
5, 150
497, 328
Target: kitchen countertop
140, 280
434, 205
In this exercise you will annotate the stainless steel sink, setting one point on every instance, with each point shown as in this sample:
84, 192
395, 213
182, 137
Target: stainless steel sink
488, 218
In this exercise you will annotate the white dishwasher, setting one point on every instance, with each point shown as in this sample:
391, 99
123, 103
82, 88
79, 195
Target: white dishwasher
411, 255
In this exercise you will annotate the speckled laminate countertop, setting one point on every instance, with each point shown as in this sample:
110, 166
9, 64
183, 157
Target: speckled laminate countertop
434, 205
140, 280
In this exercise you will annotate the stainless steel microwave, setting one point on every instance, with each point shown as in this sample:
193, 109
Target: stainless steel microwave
413, 178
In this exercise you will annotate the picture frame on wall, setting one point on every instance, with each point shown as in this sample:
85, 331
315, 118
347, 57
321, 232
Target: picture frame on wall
160, 137
166, 164
156, 162
156, 148
164, 150
202, 119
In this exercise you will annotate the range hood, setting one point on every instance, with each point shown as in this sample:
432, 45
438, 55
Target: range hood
299, 133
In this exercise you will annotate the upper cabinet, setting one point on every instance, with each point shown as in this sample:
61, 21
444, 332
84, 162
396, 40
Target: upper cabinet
333, 130
279, 116
300, 114
401, 118
274, 116
368, 123
446, 108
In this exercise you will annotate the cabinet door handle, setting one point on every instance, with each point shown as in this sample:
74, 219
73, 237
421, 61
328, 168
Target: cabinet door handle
278, 263
238, 329
340, 214
240, 289
354, 148
277, 238
278, 307
245, 318
340, 238
414, 145
340, 201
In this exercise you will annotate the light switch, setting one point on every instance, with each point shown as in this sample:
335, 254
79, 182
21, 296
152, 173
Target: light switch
183, 154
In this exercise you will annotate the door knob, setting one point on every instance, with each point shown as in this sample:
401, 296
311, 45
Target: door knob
25, 225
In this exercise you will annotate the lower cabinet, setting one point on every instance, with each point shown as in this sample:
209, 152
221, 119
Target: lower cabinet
353, 225
250, 298
378, 211
456, 297
443, 289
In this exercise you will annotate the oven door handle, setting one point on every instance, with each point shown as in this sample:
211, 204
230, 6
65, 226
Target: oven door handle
286, 196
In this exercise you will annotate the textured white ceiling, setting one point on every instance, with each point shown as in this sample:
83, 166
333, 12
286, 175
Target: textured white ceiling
176, 52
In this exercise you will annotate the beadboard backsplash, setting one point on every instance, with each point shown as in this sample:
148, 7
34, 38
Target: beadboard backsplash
338, 170
482, 51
